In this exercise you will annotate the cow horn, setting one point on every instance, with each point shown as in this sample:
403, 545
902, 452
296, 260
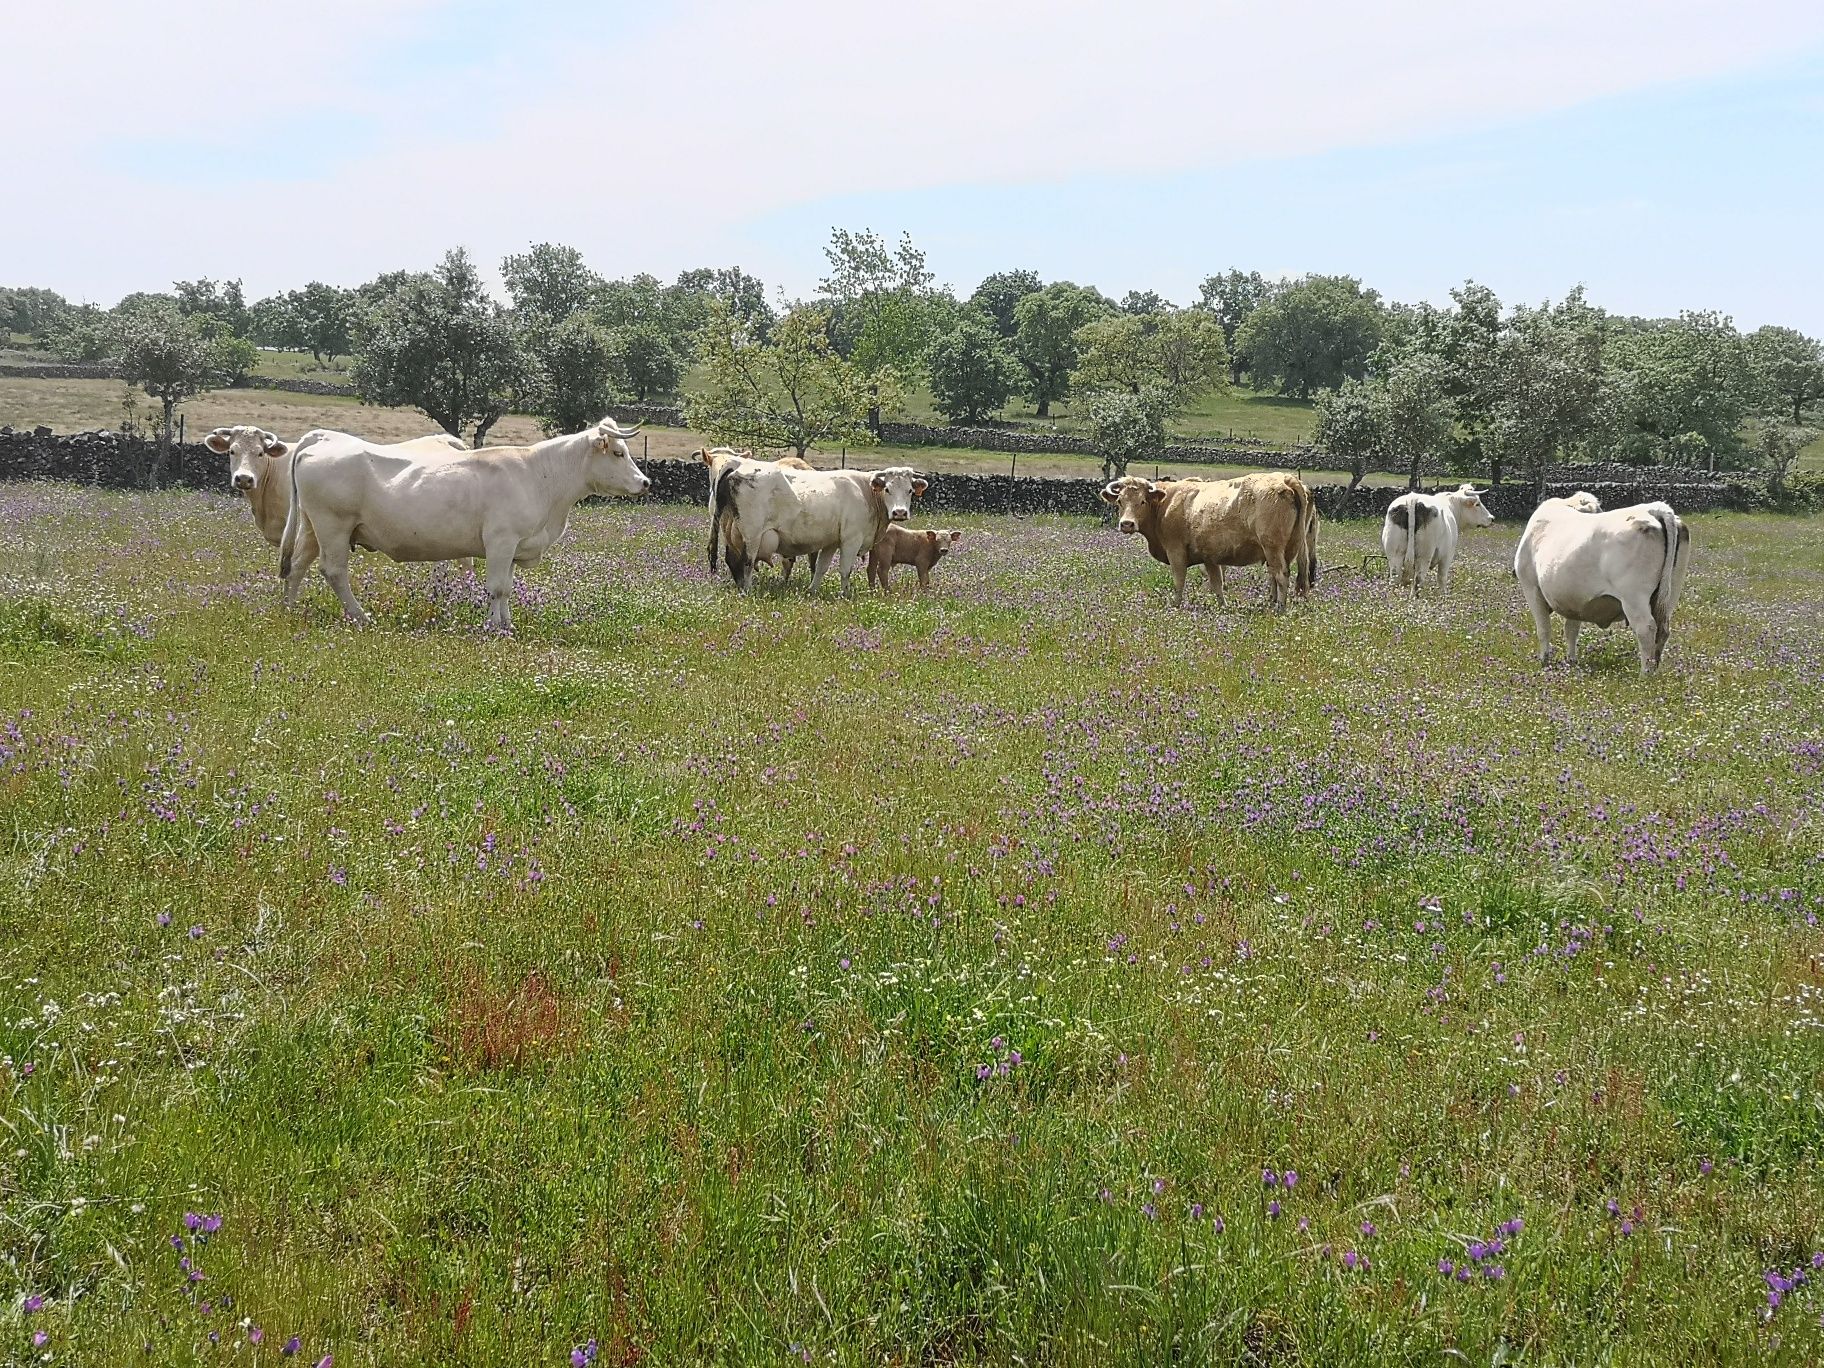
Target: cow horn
619, 431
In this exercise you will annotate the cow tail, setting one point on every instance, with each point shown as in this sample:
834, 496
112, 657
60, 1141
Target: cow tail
724, 497
293, 516
1306, 538
1410, 570
1677, 549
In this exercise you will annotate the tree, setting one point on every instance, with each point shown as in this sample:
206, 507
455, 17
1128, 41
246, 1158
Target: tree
326, 319
1125, 427
1552, 390
1791, 366
1468, 340
1349, 426
165, 353
83, 334
1779, 447
886, 289
1231, 298
1180, 353
1684, 386
1143, 302
637, 299
549, 282
1417, 416
646, 358
273, 322
742, 294
438, 343
569, 365
973, 374
999, 294
1312, 335
235, 359
1046, 324
220, 303
790, 392
32, 311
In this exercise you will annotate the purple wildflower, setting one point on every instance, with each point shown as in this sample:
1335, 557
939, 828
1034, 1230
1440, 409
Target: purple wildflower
33, 1304
1291, 1179
40, 1338
291, 1346
1273, 1210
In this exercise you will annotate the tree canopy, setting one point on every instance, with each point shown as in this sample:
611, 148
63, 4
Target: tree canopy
973, 374
1046, 324
1313, 334
788, 393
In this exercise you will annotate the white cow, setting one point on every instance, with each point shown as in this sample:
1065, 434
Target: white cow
259, 466
1589, 566
818, 513
509, 504
1421, 531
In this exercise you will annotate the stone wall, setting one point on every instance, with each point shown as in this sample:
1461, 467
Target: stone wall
113, 461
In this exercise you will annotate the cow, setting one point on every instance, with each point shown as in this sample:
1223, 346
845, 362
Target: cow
824, 514
905, 546
1266, 517
1421, 530
509, 504
714, 458
1590, 566
259, 466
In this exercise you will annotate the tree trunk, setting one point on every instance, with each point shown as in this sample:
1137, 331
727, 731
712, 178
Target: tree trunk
874, 409
1494, 470
163, 451
1798, 407
1358, 467
481, 431
1412, 478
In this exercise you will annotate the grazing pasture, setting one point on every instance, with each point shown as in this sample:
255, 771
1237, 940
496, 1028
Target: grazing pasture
1022, 972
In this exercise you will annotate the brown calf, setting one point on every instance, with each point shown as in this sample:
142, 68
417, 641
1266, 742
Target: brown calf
907, 546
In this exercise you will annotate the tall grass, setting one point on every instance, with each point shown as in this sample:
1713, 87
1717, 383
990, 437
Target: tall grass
946, 980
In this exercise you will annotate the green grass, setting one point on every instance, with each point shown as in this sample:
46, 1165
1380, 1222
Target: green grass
630, 978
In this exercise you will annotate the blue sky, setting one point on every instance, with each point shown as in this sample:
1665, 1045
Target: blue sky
1664, 154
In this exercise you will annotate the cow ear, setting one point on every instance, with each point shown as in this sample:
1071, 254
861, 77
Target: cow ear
956, 536
879, 482
931, 537
275, 448
1154, 494
919, 486
218, 440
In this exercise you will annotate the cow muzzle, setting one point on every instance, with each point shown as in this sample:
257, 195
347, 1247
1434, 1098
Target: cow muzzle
1127, 524
243, 482
898, 514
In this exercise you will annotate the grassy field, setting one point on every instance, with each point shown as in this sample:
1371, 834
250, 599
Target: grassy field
919, 981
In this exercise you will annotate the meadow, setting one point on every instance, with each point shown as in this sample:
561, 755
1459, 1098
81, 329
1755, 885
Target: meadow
1023, 973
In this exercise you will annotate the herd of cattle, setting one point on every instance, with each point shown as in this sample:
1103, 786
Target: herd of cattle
432, 499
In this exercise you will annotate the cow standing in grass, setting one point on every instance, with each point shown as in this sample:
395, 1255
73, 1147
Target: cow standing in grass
510, 504
922, 550
1420, 533
1590, 566
1258, 518
829, 515
715, 459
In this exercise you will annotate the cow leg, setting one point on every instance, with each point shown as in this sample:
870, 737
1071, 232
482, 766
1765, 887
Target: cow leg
500, 585
1571, 628
1279, 584
1646, 634
334, 547
846, 568
1213, 573
820, 564
1542, 618
1179, 567
785, 568
1444, 566
924, 580
303, 552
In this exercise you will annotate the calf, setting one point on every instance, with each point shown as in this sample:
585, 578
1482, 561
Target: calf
1590, 566
904, 546
1420, 532
1258, 518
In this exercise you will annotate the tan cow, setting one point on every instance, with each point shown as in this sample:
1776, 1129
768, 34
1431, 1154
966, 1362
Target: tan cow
908, 546
1267, 517
714, 459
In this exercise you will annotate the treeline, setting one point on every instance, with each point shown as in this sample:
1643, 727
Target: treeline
1487, 388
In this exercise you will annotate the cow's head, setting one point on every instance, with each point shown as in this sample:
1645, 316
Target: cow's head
943, 540
1133, 497
898, 486
1466, 503
1585, 502
247, 449
611, 466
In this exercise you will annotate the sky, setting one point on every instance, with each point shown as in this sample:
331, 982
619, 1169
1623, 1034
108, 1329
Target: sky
1665, 154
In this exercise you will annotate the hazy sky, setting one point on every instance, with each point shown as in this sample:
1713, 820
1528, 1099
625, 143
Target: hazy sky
1666, 153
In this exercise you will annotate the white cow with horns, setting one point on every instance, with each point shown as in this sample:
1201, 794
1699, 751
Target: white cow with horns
1421, 530
509, 504
1590, 566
